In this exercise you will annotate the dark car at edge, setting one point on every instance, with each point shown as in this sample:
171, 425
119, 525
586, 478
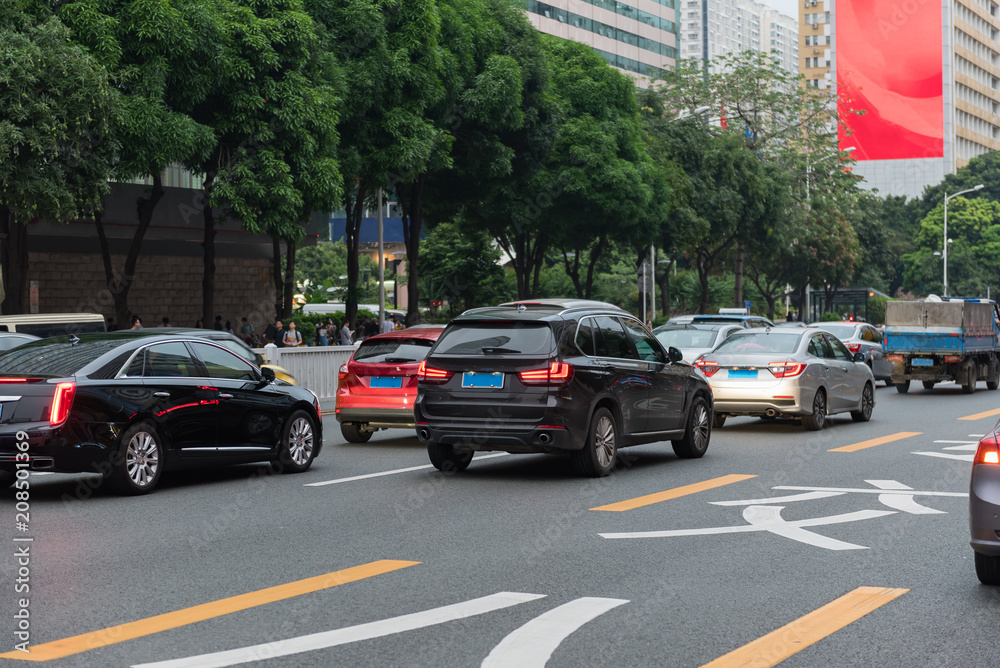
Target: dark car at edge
130, 405
557, 376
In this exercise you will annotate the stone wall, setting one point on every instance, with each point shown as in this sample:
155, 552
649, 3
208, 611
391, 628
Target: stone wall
164, 286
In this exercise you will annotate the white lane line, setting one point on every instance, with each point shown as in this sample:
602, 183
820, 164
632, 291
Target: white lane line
325, 639
962, 442
945, 455
531, 645
972, 447
879, 491
888, 484
976, 435
394, 472
808, 496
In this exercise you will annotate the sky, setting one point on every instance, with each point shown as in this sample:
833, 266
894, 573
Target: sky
790, 7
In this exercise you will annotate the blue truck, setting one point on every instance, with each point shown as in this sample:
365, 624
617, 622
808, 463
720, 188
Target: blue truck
943, 339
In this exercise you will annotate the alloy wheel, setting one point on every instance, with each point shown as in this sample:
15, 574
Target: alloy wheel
142, 459
300, 440
604, 441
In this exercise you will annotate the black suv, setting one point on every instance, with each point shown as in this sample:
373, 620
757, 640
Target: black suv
574, 376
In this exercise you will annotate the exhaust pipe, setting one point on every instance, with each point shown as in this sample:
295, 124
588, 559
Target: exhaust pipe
770, 412
425, 434
544, 438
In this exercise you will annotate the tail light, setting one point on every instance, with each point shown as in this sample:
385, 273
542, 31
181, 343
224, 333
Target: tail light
707, 368
342, 374
854, 347
987, 452
954, 359
556, 375
428, 374
786, 369
61, 403
894, 358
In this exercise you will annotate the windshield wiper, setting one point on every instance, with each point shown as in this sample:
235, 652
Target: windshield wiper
488, 350
398, 360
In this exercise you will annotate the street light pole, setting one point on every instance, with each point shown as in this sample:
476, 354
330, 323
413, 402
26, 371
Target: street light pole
944, 251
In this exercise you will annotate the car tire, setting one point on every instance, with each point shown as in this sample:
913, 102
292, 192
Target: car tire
988, 569
352, 434
447, 459
298, 443
993, 377
817, 419
7, 479
867, 404
928, 384
137, 464
600, 452
903, 387
971, 377
718, 420
698, 432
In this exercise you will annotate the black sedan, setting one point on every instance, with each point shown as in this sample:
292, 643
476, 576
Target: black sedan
130, 405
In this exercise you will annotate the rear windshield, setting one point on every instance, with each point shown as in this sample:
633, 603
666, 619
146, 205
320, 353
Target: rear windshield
392, 351
759, 342
840, 331
494, 338
54, 357
44, 329
687, 338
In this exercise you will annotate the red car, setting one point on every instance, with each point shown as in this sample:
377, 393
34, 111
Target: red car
377, 386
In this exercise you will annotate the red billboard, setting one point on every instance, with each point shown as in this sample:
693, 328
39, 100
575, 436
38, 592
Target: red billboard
889, 64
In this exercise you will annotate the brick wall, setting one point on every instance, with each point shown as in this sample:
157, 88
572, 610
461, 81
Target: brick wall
164, 286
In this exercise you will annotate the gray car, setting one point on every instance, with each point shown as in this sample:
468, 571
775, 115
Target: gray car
862, 337
984, 508
694, 340
786, 373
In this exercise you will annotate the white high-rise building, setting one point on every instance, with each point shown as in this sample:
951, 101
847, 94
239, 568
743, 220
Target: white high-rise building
711, 28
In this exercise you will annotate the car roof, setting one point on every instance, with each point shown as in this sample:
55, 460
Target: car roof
704, 326
540, 309
720, 317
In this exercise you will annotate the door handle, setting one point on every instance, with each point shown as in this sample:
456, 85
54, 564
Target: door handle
225, 396
161, 394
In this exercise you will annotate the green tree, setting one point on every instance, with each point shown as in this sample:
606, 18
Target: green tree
57, 111
462, 268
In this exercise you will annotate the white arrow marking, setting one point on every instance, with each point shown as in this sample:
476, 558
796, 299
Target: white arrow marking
903, 502
877, 491
808, 496
888, 484
314, 641
945, 455
768, 518
531, 645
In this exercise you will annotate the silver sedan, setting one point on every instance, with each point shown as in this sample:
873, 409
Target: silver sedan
806, 373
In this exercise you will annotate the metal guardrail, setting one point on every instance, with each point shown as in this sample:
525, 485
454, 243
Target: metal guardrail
314, 367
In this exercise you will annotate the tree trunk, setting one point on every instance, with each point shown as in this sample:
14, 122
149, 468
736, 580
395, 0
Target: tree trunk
663, 280
703, 270
573, 269
413, 220
289, 301
15, 264
738, 271
595, 256
352, 238
277, 276
119, 287
208, 248
538, 258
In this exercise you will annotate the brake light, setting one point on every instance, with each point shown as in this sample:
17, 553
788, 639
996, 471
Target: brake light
854, 347
61, 403
894, 358
426, 374
557, 374
954, 359
707, 368
342, 374
987, 452
786, 369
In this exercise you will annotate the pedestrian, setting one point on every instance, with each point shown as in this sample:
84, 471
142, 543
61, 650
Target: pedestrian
217, 325
389, 324
229, 328
321, 334
278, 336
165, 322
371, 328
246, 330
345, 334
199, 324
291, 337
111, 325
136, 322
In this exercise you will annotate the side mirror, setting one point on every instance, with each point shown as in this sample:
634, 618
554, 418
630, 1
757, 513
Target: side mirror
268, 374
859, 357
674, 355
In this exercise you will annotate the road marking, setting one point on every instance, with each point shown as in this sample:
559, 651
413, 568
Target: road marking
393, 472
325, 639
970, 446
901, 502
945, 455
650, 499
531, 645
868, 491
768, 518
778, 645
980, 416
876, 441
199, 613
962, 442
807, 496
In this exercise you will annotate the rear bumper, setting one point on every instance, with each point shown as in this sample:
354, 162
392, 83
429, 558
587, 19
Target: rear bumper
984, 508
506, 438
736, 400
377, 417
61, 449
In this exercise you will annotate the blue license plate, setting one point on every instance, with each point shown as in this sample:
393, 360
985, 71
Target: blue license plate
385, 381
922, 362
488, 380
743, 373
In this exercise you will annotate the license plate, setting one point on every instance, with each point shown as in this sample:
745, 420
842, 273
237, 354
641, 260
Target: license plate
385, 381
743, 373
489, 380
922, 362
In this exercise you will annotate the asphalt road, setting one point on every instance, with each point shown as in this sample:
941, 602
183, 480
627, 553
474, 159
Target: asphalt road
509, 563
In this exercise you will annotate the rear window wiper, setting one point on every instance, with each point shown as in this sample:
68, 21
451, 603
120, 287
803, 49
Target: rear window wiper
398, 360
488, 350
